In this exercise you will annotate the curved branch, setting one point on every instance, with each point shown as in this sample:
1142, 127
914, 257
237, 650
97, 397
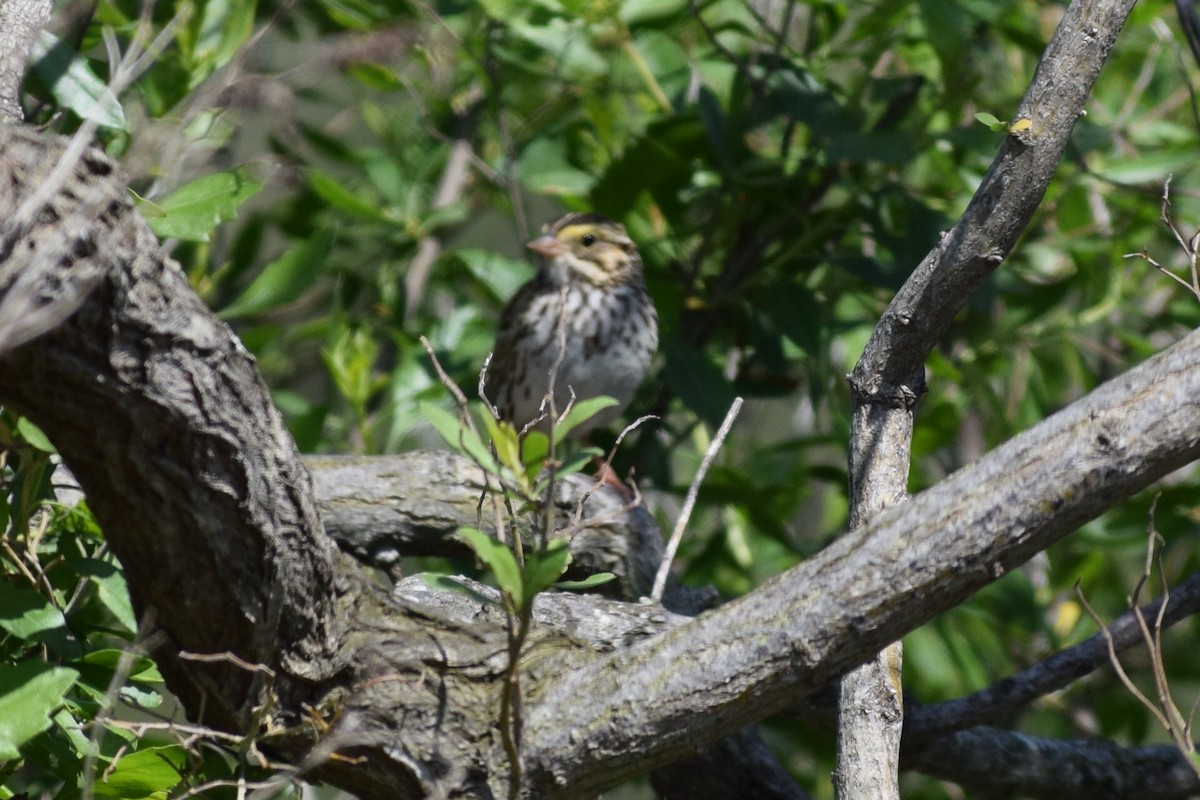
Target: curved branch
152, 402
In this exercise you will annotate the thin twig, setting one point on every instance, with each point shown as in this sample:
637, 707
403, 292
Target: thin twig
600, 476
1165, 711
1189, 246
660, 580
481, 389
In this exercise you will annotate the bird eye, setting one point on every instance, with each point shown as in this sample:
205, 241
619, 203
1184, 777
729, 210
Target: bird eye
588, 240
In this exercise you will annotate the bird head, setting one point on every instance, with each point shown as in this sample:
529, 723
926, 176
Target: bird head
587, 247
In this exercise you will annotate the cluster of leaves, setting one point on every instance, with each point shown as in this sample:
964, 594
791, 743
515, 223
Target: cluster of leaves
782, 167
523, 467
70, 681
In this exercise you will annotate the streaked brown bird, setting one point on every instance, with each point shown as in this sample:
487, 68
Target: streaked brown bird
590, 276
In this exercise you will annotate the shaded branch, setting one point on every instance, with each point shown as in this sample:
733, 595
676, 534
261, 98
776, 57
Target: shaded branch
1006, 763
1050, 675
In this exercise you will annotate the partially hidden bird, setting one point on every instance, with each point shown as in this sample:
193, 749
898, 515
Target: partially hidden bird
589, 278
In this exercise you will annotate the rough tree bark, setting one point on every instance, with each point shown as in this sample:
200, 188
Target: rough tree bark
157, 409
159, 412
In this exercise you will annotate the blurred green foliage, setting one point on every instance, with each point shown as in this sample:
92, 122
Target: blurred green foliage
340, 177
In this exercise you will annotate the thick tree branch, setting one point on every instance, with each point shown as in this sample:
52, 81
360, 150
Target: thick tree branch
152, 402
798, 631
382, 508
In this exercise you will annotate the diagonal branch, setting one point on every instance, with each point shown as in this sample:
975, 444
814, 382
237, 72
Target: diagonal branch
1052, 674
756, 655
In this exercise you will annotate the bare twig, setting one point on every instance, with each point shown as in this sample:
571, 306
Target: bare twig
1165, 710
600, 478
660, 580
229, 658
481, 389
1189, 246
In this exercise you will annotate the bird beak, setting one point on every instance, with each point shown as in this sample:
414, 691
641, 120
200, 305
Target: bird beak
547, 246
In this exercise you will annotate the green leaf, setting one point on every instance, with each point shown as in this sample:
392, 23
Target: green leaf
535, 448
284, 279
147, 773
500, 561
596, 579
73, 83
499, 274
990, 120
544, 169
194, 209
506, 442
459, 436
29, 691
28, 615
635, 12
33, 435
140, 667
110, 588
581, 412
543, 568
332, 192
224, 28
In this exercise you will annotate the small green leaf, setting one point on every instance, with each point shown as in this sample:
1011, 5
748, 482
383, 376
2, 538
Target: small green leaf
194, 209
596, 579
110, 588
284, 279
535, 449
29, 691
33, 435
500, 560
501, 275
635, 12
332, 192
73, 83
459, 436
545, 169
224, 28
581, 412
507, 443
140, 667
990, 121
543, 568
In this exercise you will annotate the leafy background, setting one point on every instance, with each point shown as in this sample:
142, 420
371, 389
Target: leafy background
339, 177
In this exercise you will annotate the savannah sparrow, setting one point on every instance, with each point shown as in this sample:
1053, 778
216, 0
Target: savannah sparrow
590, 277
